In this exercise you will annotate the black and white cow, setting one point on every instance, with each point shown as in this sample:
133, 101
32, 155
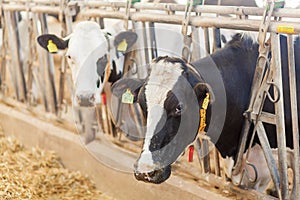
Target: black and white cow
173, 94
89, 50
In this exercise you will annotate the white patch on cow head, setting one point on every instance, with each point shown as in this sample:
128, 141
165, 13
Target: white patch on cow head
86, 45
162, 79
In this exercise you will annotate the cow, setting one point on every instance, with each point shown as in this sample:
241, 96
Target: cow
89, 51
174, 95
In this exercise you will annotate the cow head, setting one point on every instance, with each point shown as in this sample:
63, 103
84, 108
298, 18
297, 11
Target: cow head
170, 98
87, 53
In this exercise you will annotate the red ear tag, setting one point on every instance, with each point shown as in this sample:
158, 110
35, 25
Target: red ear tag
191, 153
103, 95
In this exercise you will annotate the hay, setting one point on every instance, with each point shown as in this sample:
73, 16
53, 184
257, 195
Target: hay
38, 174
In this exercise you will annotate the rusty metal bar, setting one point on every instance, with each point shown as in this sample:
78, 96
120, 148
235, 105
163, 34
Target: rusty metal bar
279, 111
261, 133
262, 60
294, 114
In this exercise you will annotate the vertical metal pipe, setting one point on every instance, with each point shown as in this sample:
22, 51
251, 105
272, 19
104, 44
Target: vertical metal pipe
20, 64
279, 111
261, 133
206, 40
146, 51
195, 45
50, 71
40, 54
217, 39
13, 52
217, 162
294, 113
199, 153
152, 38
206, 158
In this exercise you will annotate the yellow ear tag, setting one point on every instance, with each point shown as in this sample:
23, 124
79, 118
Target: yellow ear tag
122, 46
205, 102
52, 48
127, 97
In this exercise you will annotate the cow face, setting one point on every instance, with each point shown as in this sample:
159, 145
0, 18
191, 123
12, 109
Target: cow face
170, 98
87, 53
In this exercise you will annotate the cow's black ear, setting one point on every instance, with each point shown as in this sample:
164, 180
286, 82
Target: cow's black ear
52, 43
124, 41
201, 90
127, 86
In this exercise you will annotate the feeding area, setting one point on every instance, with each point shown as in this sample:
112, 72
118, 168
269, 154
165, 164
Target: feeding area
146, 100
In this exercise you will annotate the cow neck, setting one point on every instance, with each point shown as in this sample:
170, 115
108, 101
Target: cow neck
204, 106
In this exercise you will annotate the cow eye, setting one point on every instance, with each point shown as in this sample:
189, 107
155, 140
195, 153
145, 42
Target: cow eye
179, 109
68, 56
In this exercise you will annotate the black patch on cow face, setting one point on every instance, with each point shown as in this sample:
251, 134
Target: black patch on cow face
114, 74
101, 65
178, 127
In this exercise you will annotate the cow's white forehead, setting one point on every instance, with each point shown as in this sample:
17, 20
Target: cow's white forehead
162, 79
86, 37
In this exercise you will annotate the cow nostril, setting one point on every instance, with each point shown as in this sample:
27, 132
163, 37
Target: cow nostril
139, 176
92, 98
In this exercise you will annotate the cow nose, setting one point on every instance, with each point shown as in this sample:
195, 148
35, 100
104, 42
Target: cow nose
156, 176
86, 99
143, 176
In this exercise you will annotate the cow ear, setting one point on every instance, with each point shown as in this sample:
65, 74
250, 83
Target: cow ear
52, 43
201, 91
125, 87
124, 41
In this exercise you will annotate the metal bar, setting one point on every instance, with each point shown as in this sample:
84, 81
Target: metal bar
264, 49
217, 162
206, 41
13, 52
23, 86
196, 48
206, 156
197, 21
199, 153
215, 9
268, 156
294, 114
33, 1
279, 111
265, 117
152, 37
145, 40
41, 56
217, 39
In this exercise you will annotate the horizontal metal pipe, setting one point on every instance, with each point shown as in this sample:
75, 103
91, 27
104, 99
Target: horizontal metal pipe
102, 14
97, 4
219, 22
33, 1
221, 10
32, 8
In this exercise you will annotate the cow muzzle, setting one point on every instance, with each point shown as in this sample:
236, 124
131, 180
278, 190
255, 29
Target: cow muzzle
156, 176
85, 99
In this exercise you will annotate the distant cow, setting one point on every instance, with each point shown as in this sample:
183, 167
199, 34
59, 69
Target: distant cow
89, 51
173, 95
